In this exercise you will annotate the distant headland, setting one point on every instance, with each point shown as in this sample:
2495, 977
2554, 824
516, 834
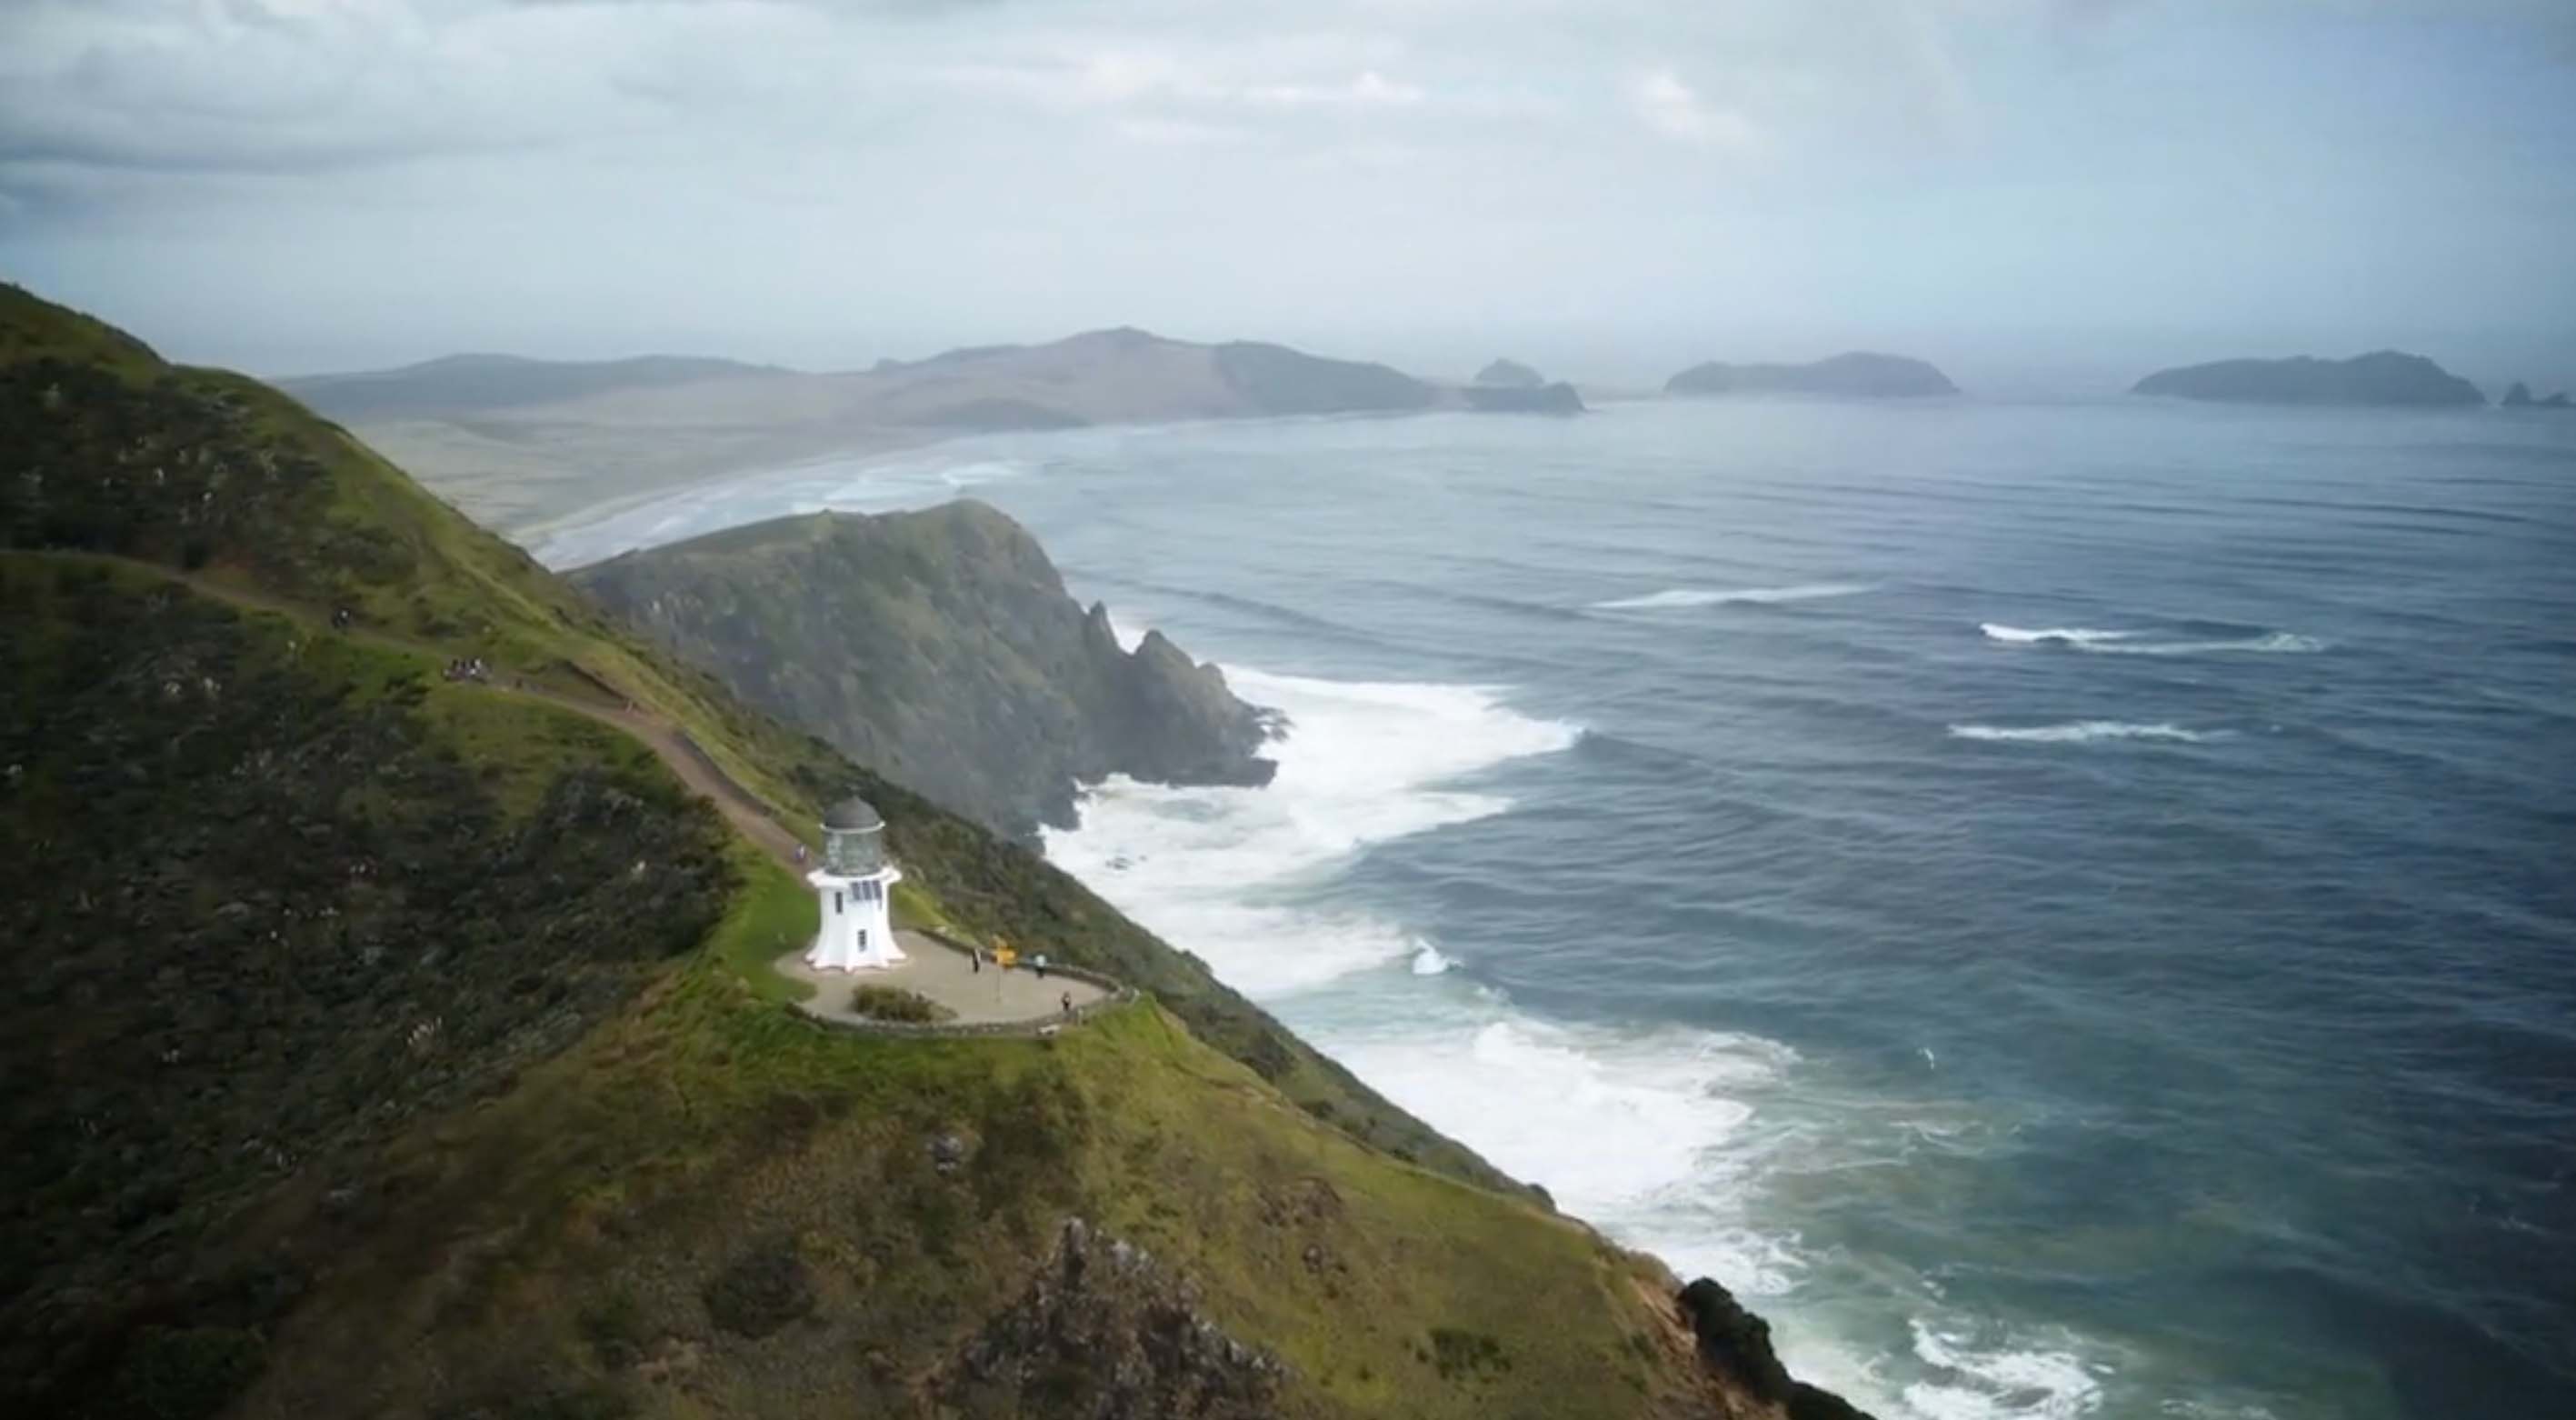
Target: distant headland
1856, 375
2384, 377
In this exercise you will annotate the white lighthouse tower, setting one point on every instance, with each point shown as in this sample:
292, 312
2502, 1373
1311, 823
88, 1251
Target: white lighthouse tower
852, 885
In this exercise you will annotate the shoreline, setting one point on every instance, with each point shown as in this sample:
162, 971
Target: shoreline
528, 535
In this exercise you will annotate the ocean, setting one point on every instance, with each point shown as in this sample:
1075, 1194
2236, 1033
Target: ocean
2069, 909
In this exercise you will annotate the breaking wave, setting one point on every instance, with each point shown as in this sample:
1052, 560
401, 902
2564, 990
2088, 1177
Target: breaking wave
2125, 643
2058, 635
1712, 596
1217, 869
2083, 732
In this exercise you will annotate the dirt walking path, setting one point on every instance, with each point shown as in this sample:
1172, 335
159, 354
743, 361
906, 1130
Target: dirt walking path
669, 742
974, 994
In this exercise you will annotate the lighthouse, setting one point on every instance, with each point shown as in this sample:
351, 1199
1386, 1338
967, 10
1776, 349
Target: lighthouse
852, 885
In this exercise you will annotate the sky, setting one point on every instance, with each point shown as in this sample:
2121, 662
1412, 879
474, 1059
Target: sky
2025, 189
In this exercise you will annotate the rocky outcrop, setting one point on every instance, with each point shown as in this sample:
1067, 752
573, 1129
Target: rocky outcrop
1736, 1346
2519, 397
1103, 1331
2385, 377
1510, 374
1558, 398
1857, 375
941, 649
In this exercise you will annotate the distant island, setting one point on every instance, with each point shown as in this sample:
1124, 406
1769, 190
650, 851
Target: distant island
2519, 397
1856, 375
1510, 387
2384, 377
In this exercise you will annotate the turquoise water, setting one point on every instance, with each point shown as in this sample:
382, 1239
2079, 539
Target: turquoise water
2067, 906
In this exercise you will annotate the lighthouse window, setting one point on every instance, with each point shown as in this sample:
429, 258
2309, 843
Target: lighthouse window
836, 904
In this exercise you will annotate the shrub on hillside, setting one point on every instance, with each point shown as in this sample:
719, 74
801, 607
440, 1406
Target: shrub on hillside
893, 1003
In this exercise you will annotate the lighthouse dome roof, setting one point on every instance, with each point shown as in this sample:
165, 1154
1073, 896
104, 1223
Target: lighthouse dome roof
853, 814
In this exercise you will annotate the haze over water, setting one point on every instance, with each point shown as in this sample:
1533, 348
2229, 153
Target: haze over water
2066, 906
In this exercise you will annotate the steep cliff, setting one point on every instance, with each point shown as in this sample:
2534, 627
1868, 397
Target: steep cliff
941, 648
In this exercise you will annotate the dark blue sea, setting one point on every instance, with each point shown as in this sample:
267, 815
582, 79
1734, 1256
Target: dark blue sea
2069, 908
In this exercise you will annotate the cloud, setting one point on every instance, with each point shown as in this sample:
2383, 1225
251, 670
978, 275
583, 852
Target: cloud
1672, 108
1368, 89
847, 166
1210, 81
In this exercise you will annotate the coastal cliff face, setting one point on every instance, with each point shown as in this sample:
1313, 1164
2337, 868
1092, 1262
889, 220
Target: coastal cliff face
2385, 377
401, 1044
941, 648
1857, 375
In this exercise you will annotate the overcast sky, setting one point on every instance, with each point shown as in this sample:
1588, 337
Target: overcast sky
1607, 188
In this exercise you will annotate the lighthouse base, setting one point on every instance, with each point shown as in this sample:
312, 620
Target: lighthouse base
856, 932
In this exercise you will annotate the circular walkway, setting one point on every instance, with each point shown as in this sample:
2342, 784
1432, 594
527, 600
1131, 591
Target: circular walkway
943, 974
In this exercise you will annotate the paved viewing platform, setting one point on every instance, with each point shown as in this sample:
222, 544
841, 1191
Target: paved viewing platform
946, 976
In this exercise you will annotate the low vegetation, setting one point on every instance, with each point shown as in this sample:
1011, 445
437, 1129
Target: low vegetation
281, 916
893, 1003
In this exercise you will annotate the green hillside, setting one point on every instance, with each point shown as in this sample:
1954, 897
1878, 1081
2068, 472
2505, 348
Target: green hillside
387, 1043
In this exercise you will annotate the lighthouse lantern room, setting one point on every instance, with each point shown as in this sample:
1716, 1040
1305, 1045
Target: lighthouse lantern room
852, 885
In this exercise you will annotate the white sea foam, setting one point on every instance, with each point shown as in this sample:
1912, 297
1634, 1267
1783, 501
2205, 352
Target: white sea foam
2083, 732
1216, 869
1640, 1132
1429, 960
2126, 643
1973, 1379
2272, 643
2059, 635
1713, 596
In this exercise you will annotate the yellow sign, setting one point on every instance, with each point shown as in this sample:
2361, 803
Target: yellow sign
1005, 957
